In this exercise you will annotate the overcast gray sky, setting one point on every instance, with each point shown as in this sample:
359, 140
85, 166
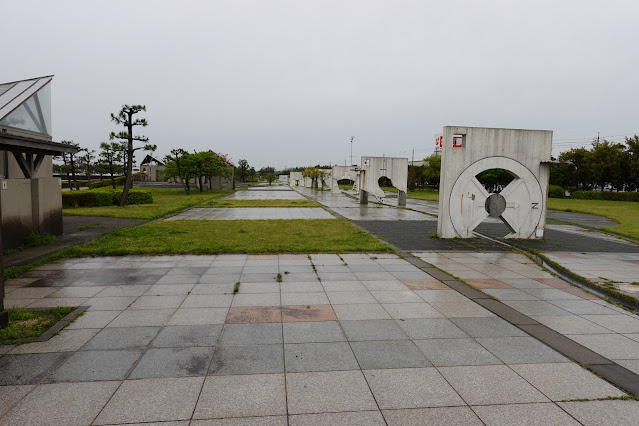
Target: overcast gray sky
287, 83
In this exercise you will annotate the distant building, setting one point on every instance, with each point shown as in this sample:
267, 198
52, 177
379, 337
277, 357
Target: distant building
30, 197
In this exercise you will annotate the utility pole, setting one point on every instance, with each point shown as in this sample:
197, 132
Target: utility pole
352, 137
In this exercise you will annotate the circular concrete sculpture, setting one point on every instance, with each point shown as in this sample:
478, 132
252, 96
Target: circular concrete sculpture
464, 202
519, 205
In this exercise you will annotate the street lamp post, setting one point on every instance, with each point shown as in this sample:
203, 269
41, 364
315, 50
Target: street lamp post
352, 137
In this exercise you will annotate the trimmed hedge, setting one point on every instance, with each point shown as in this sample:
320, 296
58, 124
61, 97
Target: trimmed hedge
602, 195
556, 191
88, 198
95, 183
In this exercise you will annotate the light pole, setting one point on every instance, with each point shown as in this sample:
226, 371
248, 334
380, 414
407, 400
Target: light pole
352, 137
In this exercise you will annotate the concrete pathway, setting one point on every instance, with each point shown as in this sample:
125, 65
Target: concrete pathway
253, 213
342, 339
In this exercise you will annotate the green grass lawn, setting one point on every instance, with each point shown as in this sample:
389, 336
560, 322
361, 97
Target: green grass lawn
424, 194
624, 212
261, 203
165, 201
26, 324
233, 236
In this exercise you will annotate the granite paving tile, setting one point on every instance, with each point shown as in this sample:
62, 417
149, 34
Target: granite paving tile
89, 366
9, 395
424, 285
242, 396
152, 400
487, 327
122, 338
109, 303
535, 307
253, 314
432, 416
142, 318
520, 350
256, 299
388, 354
313, 313
431, 328
173, 362
241, 421
572, 324
396, 296
252, 334
169, 290
62, 403
490, 384
249, 359
372, 330
362, 418
328, 391
363, 311
350, 297
411, 388
350, 286
301, 287
94, 319
260, 288
524, 414
198, 316
411, 310
450, 352
187, 336
119, 290
611, 346
564, 381
594, 413
65, 341
332, 356
207, 301
26, 369
313, 332
309, 298
461, 309
616, 323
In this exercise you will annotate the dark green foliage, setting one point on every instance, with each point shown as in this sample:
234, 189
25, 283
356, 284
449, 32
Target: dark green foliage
88, 198
604, 195
556, 191
102, 183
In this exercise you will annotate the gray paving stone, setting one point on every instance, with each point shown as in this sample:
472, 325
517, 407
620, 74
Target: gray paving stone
465, 309
122, 338
213, 288
411, 310
449, 352
572, 324
520, 350
350, 297
187, 336
256, 299
252, 334
487, 327
66, 341
334, 286
9, 395
582, 307
303, 357
362, 311
249, 359
523, 283
630, 364
242, 396
372, 330
361, 418
169, 290
198, 316
616, 323
611, 346
61, 403
330, 391
314, 298
564, 381
89, 366
388, 354
110, 303
396, 296
94, 319
300, 277
173, 362
258, 278
219, 279
394, 285
158, 302
441, 296
431, 328
509, 294
376, 276
207, 301
535, 307
313, 332
242, 421
152, 400
337, 276
595, 413
142, 318
432, 416
27, 369
491, 384
411, 388
524, 414
179, 279
247, 288
301, 287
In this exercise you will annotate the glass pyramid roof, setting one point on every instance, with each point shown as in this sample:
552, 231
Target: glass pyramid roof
26, 105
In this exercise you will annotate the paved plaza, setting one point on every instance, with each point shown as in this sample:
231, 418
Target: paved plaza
344, 339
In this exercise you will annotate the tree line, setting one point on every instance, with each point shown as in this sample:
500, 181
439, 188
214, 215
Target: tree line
184, 166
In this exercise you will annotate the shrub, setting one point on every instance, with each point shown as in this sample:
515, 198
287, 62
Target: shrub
556, 191
107, 182
89, 198
601, 195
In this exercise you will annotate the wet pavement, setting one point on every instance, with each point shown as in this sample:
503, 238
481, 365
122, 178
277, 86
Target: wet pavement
253, 213
342, 339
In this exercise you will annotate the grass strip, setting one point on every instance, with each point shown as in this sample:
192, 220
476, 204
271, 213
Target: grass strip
27, 324
260, 203
233, 236
165, 201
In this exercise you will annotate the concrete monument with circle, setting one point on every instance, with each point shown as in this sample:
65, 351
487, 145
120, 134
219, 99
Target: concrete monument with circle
464, 203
